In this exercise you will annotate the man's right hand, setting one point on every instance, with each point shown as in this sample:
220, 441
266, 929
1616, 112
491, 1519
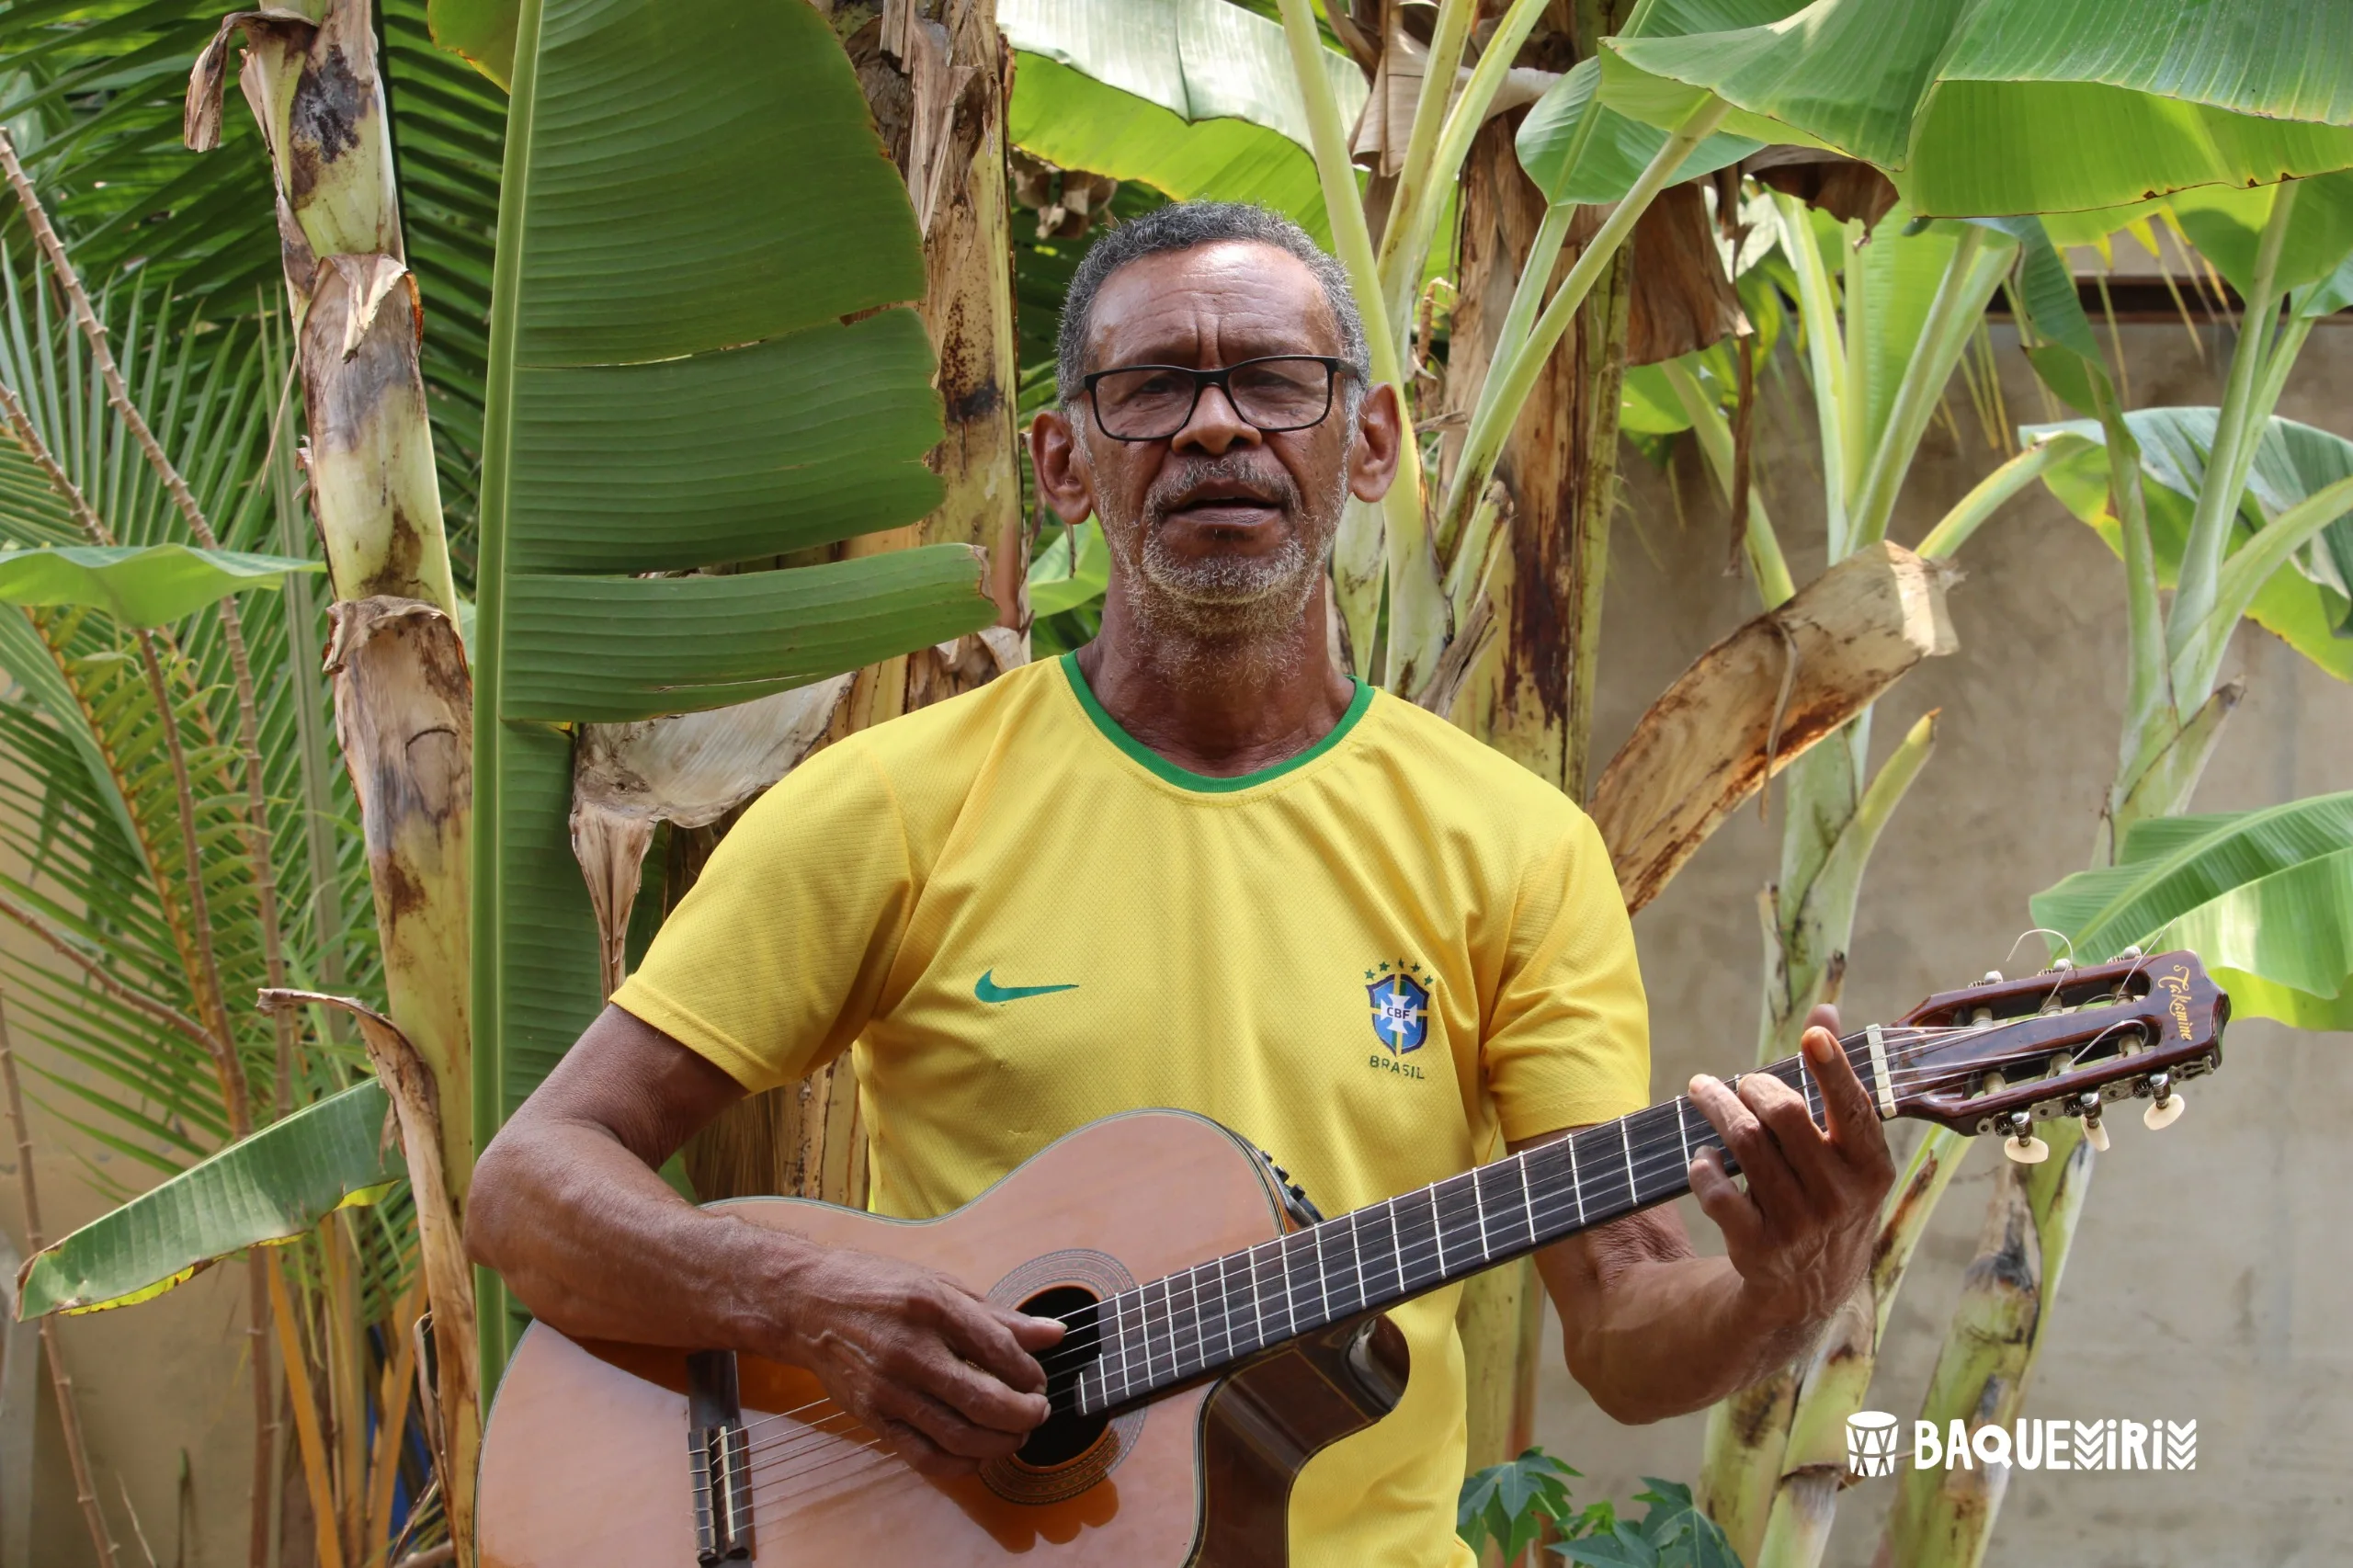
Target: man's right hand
947, 1378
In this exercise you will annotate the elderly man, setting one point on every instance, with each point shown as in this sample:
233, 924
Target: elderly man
1161, 871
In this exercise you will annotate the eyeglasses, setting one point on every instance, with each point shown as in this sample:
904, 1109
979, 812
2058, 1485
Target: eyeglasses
1151, 403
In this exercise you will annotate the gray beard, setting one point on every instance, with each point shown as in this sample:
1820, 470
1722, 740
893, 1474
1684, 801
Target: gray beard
1232, 607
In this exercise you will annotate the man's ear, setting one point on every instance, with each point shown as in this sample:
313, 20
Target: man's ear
1062, 475
1372, 456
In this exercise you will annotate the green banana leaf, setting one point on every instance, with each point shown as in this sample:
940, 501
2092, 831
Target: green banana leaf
139, 585
2067, 356
1616, 150
2226, 225
94, 95
271, 1187
2306, 602
1978, 107
2265, 897
701, 355
1194, 98
481, 32
1057, 584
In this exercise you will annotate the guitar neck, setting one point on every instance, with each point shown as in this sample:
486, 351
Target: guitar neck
1200, 1322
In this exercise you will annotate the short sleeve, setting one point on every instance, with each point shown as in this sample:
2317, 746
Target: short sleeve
773, 962
1568, 1033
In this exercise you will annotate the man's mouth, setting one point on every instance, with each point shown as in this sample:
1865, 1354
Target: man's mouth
1228, 503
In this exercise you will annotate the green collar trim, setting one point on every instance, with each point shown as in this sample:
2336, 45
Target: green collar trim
1203, 783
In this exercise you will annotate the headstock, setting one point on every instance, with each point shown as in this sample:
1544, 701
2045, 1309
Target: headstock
2002, 1054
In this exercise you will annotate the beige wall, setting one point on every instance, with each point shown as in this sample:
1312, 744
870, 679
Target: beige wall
2210, 1278
161, 1386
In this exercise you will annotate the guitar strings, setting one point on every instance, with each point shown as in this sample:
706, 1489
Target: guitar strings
1652, 1157
812, 1436
1544, 1202
1655, 1154
1650, 1162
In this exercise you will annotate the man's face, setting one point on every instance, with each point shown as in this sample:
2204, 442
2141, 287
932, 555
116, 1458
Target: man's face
1220, 527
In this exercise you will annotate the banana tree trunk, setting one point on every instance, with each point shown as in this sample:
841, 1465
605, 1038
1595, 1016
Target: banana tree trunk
2012, 1283
404, 697
936, 75
1529, 696
1763, 1478
1945, 1517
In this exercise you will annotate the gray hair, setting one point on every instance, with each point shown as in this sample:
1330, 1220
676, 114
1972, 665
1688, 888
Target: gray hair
1183, 225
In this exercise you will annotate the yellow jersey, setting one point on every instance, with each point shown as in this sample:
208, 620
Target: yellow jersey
1375, 961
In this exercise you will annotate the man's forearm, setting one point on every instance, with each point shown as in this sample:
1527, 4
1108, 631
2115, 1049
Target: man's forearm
598, 1245
1674, 1334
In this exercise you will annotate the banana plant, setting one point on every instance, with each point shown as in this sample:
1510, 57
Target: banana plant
1936, 77
1193, 98
2263, 897
687, 371
2183, 508
1883, 333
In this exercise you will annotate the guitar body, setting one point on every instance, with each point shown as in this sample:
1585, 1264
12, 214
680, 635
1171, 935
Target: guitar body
588, 1461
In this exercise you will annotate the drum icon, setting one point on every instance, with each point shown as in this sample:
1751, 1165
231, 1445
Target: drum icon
1870, 1442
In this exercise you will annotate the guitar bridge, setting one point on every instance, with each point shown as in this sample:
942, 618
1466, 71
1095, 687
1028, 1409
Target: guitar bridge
718, 1455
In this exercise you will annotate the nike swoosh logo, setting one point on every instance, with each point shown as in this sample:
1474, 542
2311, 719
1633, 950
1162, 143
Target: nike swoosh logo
988, 989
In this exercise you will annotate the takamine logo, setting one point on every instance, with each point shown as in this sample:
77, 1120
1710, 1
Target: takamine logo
2110, 1443
2175, 985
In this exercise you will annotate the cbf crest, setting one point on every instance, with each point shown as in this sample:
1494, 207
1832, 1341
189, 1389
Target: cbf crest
1399, 994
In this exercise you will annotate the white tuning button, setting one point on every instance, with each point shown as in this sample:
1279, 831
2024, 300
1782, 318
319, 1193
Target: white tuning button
2026, 1151
2096, 1134
2163, 1113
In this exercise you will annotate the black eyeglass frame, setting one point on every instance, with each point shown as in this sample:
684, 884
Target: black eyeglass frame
1334, 366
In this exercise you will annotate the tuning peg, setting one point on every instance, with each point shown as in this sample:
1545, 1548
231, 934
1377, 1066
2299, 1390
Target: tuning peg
1992, 977
2167, 1109
2127, 956
2022, 1145
2095, 1130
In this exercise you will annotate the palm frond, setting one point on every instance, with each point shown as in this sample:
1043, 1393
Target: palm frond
95, 91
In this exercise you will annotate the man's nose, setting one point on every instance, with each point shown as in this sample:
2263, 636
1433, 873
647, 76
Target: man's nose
1216, 426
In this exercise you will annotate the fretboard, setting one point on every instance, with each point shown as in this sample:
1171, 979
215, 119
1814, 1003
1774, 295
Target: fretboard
1199, 1322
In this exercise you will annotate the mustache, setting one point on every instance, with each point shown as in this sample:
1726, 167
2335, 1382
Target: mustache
1179, 487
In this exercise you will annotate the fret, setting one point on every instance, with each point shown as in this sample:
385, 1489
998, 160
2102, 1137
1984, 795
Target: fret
1395, 1264
1201, 1313
1225, 1307
1119, 1335
1683, 1130
1322, 1280
1577, 1185
1355, 1260
1258, 1267
1411, 1253
1479, 1206
1301, 1248
1626, 1137
1527, 1198
1151, 1377
1189, 1322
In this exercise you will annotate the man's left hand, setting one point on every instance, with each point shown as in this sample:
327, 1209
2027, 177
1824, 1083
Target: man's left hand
1801, 1234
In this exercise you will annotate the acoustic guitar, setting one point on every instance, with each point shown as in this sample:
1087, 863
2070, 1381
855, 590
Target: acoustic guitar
1216, 1343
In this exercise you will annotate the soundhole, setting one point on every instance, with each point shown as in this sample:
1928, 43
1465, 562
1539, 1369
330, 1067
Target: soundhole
1067, 1435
